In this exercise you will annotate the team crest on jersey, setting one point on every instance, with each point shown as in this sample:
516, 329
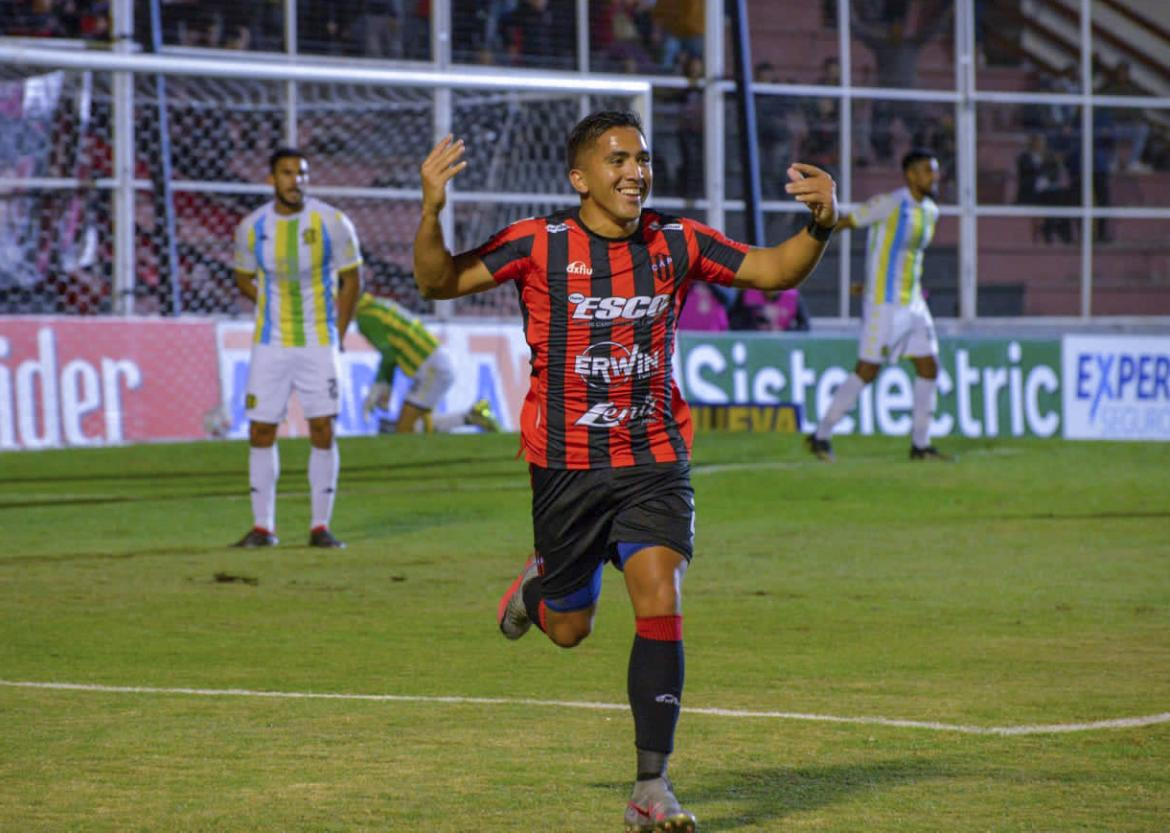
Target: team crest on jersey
610, 365
662, 264
250, 401
309, 236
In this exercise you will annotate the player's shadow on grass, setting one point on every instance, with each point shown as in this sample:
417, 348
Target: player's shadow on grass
770, 793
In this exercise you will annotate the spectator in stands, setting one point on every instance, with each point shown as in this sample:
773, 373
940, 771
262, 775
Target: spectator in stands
779, 130
703, 310
475, 31
416, 30
1043, 180
683, 23
88, 19
823, 115
690, 130
769, 311
326, 28
540, 33
381, 26
895, 55
1158, 148
1104, 158
1130, 129
620, 32
1065, 82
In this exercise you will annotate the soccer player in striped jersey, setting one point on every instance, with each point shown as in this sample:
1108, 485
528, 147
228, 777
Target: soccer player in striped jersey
605, 432
895, 320
406, 344
299, 261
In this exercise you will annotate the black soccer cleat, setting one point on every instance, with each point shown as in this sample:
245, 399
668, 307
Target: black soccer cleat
821, 449
257, 537
322, 537
929, 453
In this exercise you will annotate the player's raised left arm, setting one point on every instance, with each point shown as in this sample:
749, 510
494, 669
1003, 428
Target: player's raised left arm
786, 265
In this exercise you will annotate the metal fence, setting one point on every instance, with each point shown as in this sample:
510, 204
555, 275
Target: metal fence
122, 174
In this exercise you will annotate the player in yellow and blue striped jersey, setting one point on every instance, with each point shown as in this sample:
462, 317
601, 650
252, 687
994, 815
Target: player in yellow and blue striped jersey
896, 322
298, 259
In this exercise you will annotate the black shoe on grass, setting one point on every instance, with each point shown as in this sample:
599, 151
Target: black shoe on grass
929, 453
821, 449
257, 537
322, 537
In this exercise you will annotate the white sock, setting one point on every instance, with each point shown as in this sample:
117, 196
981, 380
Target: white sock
923, 411
263, 472
323, 466
844, 399
448, 422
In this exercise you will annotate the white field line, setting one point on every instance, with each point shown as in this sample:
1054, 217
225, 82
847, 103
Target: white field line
1041, 729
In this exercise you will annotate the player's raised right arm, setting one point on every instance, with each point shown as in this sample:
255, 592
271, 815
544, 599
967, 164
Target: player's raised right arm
437, 272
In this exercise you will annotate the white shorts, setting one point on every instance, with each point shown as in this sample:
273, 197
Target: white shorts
434, 378
275, 372
890, 331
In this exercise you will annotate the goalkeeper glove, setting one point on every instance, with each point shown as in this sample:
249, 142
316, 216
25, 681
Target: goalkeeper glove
378, 397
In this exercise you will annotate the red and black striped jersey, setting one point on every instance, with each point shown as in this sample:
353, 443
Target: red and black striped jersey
599, 317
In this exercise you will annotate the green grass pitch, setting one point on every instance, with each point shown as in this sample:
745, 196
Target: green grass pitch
1027, 584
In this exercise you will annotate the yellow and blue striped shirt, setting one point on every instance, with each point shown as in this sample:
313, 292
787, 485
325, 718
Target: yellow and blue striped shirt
899, 231
296, 259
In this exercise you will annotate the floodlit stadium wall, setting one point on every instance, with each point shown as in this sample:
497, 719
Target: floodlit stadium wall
123, 174
67, 381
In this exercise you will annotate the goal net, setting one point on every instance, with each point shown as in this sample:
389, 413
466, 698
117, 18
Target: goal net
364, 142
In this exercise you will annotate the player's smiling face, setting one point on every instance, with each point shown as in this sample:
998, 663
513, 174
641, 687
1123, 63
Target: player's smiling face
289, 179
614, 178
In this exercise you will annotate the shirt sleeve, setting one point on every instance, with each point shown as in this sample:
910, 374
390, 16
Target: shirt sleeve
347, 251
245, 244
875, 210
719, 257
508, 253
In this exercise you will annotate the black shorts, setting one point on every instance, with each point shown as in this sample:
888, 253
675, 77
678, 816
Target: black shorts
580, 516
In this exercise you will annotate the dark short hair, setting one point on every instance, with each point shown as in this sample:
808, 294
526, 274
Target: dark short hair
284, 153
589, 130
917, 155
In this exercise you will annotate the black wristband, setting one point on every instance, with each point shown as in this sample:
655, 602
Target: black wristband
817, 231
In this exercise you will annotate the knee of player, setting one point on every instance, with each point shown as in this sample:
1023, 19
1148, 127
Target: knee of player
866, 371
569, 634
261, 434
663, 600
321, 432
927, 368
